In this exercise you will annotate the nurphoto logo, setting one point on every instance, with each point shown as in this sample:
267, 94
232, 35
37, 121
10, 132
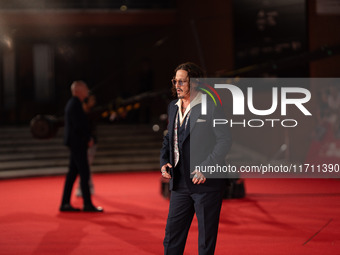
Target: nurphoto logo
300, 98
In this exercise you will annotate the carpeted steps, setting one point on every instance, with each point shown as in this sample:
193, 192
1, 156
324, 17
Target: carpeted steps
120, 148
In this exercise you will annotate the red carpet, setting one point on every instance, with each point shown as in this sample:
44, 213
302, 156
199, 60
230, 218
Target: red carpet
286, 216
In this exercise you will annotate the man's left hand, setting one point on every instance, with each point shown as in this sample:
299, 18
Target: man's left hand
198, 177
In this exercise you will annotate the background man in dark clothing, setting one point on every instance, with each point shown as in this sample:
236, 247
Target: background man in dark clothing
78, 139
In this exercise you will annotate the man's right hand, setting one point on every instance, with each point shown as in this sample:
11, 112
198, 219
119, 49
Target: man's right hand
164, 171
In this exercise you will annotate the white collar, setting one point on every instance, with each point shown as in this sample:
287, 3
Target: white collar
197, 100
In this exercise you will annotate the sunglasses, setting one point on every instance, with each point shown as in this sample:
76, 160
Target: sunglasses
180, 83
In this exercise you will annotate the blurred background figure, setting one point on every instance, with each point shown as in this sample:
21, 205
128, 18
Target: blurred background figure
78, 139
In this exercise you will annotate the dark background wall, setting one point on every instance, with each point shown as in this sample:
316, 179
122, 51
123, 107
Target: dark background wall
323, 30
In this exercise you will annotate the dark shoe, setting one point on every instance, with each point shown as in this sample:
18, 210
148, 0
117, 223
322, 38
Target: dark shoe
92, 208
68, 208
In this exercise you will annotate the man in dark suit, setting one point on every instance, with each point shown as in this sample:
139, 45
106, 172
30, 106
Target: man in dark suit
78, 139
192, 141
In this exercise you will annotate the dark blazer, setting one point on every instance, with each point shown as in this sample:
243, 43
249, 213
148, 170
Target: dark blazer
77, 132
203, 145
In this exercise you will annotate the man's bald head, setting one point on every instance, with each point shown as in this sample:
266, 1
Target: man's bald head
79, 89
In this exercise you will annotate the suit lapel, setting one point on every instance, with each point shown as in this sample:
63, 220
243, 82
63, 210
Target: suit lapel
172, 115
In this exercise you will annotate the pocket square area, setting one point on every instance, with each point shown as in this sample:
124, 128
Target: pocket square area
201, 120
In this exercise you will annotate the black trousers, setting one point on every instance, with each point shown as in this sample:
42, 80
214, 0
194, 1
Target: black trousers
78, 165
183, 206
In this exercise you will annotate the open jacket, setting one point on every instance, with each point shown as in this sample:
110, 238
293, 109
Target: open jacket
203, 145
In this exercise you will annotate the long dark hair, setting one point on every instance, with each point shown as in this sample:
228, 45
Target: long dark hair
194, 71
